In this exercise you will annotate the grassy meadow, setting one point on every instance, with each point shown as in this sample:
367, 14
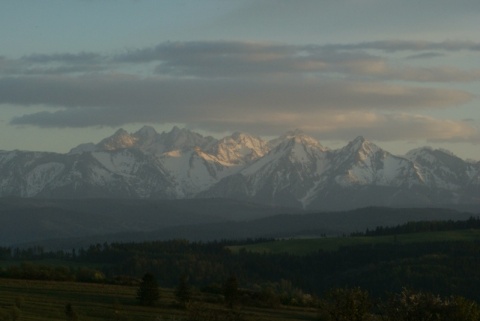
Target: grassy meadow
303, 246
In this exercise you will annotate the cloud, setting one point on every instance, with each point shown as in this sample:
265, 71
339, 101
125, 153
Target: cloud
338, 91
126, 91
78, 58
425, 55
234, 59
438, 74
53, 64
330, 108
240, 59
10, 66
409, 45
224, 58
202, 50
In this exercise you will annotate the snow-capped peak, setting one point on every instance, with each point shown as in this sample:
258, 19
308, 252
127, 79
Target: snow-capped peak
361, 144
148, 140
146, 132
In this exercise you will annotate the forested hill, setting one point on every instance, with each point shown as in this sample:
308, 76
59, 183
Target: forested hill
447, 266
425, 226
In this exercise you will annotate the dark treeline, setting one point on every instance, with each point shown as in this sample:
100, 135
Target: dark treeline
447, 268
425, 226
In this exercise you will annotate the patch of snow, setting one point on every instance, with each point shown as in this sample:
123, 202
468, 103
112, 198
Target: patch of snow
120, 162
40, 176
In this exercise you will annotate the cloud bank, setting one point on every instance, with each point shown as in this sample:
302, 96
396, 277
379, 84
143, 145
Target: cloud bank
336, 90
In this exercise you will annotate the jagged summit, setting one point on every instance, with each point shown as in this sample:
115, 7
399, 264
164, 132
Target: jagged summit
121, 139
295, 136
146, 131
361, 143
182, 138
358, 150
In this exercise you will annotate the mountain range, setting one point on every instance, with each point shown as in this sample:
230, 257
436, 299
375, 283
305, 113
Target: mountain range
293, 170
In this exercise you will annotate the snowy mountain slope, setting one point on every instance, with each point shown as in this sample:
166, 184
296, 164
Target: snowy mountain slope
364, 163
177, 152
26, 173
300, 172
123, 173
441, 169
292, 170
194, 170
362, 174
282, 177
239, 149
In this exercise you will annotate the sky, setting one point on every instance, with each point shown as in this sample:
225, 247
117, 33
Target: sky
403, 74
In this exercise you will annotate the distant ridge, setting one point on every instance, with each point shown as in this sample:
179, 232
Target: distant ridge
294, 170
67, 224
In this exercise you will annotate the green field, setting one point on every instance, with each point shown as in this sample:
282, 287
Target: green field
46, 301
309, 245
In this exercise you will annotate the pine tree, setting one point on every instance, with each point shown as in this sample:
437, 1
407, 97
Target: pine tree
230, 291
182, 292
148, 293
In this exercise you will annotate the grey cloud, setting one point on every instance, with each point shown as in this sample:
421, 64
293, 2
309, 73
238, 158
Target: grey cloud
65, 63
220, 58
239, 59
439, 74
425, 55
406, 45
78, 58
10, 66
336, 90
171, 50
127, 99
61, 70
230, 59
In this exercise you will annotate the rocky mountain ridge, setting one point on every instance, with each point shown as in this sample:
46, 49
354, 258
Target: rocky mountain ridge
292, 170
